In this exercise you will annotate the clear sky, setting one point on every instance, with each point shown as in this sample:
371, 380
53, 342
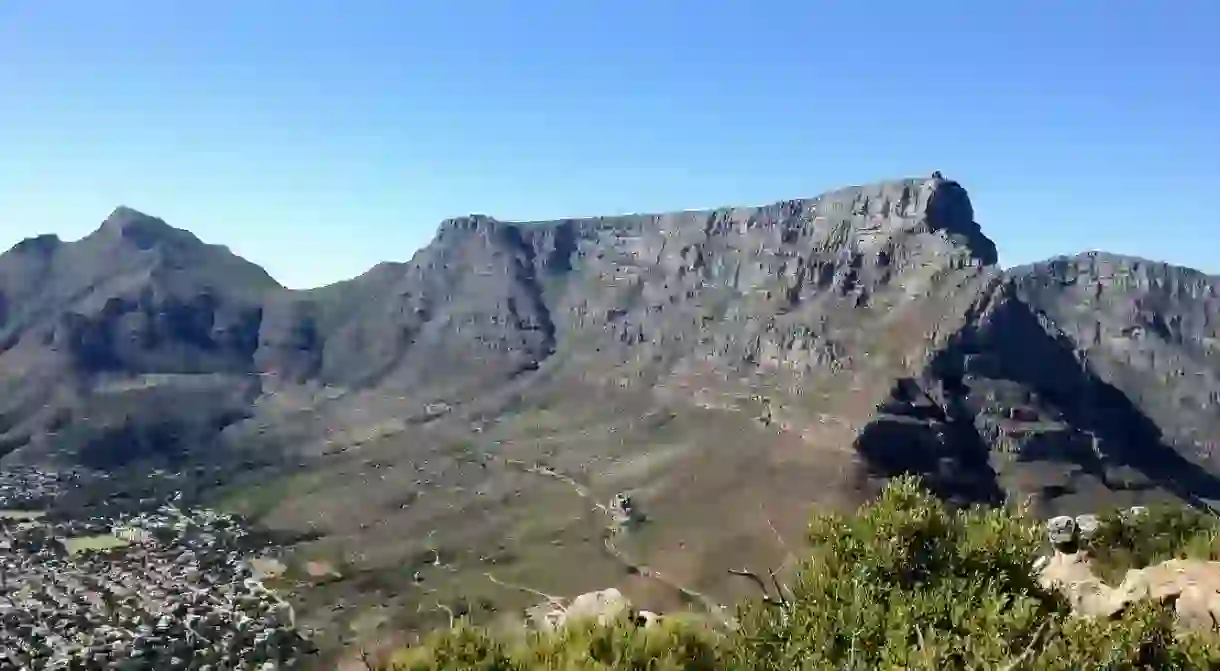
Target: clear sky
319, 137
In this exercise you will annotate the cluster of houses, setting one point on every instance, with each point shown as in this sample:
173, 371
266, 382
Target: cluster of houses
170, 588
28, 488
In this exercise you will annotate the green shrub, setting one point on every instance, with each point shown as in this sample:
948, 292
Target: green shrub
1141, 638
905, 583
672, 646
463, 647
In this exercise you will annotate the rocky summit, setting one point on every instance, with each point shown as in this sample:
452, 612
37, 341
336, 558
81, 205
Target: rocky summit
471, 414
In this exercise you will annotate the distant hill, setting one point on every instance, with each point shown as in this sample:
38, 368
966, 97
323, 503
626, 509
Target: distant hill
728, 367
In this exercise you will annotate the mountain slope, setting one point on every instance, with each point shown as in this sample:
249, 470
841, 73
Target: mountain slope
1151, 329
731, 368
100, 338
1052, 389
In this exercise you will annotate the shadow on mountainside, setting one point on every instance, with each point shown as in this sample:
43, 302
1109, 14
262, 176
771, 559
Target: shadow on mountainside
1014, 376
1043, 360
916, 435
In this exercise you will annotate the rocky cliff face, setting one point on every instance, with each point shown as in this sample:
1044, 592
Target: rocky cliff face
714, 362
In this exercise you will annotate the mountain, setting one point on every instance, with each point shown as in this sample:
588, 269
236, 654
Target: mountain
98, 339
730, 368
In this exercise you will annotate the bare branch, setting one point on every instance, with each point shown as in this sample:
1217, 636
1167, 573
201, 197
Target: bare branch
753, 577
779, 590
368, 663
762, 586
448, 611
1020, 659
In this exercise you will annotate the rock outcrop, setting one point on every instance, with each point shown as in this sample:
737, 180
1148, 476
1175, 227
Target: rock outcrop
600, 607
1193, 586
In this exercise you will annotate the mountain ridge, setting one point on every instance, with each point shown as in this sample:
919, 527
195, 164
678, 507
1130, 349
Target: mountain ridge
716, 363
46, 241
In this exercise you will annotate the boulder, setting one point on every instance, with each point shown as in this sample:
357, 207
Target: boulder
1071, 573
1061, 530
602, 607
1193, 584
545, 616
1087, 526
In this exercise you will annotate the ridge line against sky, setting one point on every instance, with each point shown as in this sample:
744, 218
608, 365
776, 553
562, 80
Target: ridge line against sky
318, 138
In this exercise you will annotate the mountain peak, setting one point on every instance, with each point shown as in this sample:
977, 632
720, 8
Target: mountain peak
467, 224
43, 245
142, 230
949, 208
123, 216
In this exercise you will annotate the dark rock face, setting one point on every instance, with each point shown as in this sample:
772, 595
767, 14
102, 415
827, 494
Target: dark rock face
872, 318
161, 334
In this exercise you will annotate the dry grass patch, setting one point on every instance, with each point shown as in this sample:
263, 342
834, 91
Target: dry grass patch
98, 543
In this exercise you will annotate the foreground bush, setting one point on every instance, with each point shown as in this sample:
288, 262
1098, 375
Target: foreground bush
905, 583
671, 646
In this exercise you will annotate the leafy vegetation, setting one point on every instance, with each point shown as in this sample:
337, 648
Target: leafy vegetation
671, 646
905, 583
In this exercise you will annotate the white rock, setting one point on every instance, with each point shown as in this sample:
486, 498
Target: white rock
602, 606
1087, 525
648, 618
1061, 530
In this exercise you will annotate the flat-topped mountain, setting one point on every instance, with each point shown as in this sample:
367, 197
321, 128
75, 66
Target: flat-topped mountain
729, 368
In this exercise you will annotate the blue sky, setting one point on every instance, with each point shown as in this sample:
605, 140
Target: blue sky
317, 138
